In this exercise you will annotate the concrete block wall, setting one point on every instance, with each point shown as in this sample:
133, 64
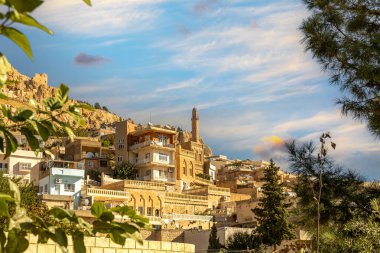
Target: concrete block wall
105, 245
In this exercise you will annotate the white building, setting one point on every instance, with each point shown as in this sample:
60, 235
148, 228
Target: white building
62, 178
20, 163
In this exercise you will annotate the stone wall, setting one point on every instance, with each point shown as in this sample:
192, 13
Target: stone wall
105, 245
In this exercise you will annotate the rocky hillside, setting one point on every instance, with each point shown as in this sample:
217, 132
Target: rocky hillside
21, 88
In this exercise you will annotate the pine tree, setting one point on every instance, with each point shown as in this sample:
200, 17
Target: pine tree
344, 37
273, 226
213, 241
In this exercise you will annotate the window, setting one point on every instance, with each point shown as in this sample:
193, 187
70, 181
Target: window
163, 157
90, 164
41, 189
149, 211
103, 163
147, 156
46, 188
140, 210
4, 167
200, 157
70, 187
191, 169
119, 158
121, 146
163, 139
56, 188
184, 167
25, 166
157, 213
121, 141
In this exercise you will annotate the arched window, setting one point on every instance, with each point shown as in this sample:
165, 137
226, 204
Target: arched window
200, 157
196, 156
184, 169
191, 169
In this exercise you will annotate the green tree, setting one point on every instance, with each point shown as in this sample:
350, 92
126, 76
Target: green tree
213, 241
327, 195
244, 241
105, 108
125, 170
97, 106
272, 215
344, 37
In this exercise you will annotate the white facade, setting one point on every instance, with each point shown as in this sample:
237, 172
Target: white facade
20, 163
63, 182
212, 172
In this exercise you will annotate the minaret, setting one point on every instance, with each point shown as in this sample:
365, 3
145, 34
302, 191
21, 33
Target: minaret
195, 126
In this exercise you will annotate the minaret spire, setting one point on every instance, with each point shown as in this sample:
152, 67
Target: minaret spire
195, 126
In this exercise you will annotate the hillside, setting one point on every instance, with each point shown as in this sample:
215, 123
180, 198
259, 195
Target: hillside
22, 88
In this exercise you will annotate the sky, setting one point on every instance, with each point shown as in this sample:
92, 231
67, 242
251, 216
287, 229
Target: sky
241, 63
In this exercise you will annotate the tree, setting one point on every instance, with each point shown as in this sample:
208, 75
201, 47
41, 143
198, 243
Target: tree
273, 226
327, 195
125, 170
243, 241
105, 108
97, 106
344, 37
213, 240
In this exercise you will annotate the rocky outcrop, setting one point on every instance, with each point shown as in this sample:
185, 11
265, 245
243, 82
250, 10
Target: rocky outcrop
22, 88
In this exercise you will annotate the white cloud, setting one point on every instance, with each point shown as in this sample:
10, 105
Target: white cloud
180, 85
105, 17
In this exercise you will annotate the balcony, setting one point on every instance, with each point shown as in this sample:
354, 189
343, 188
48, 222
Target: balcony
154, 144
135, 184
155, 161
96, 192
187, 217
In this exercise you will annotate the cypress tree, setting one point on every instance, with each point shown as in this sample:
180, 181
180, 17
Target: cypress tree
213, 241
273, 226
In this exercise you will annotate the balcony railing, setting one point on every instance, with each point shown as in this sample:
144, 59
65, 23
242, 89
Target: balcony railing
150, 143
144, 185
155, 161
185, 196
188, 217
107, 193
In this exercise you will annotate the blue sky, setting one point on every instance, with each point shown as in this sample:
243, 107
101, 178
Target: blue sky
239, 62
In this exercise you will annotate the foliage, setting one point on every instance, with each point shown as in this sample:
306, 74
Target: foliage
106, 143
213, 241
344, 195
273, 226
97, 106
125, 170
29, 198
357, 235
94, 175
244, 241
344, 37
105, 108
20, 224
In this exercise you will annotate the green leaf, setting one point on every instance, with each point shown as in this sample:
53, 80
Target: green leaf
3, 239
118, 236
16, 242
13, 187
78, 241
107, 216
43, 131
88, 2
18, 38
3, 96
60, 238
32, 140
11, 143
29, 21
128, 228
124, 210
23, 115
97, 209
25, 6
103, 227
60, 213
4, 67
63, 93
6, 197
84, 106
3, 209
